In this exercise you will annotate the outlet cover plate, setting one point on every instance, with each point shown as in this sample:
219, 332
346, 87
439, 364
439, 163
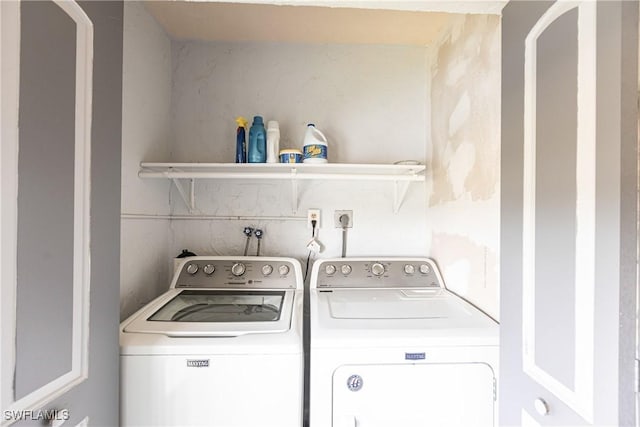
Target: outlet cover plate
338, 214
311, 215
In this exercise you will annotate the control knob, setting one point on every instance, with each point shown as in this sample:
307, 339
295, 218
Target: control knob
283, 270
409, 269
209, 269
425, 269
238, 269
192, 268
377, 269
267, 269
330, 269
345, 269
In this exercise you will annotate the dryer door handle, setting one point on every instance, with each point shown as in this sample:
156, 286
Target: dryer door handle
347, 421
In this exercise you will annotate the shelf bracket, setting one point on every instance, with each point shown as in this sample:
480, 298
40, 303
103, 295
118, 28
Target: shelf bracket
190, 200
400, 191
294, 190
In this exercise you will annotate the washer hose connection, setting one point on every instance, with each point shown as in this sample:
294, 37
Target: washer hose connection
248, 231
258, 233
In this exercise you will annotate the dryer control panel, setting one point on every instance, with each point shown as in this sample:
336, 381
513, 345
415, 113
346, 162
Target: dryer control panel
240, 272
376, 273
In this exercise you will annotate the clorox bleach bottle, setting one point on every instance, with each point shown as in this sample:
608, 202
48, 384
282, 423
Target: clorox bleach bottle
315, 145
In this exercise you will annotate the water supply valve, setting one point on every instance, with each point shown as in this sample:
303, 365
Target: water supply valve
258, 233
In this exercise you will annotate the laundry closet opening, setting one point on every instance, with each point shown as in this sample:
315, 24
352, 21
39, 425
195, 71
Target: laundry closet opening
384, 86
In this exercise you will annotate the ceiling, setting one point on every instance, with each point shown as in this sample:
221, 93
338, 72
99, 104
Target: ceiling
298, 22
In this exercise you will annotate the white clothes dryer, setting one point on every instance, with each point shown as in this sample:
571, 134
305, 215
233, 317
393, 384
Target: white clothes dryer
222, 347
391, 346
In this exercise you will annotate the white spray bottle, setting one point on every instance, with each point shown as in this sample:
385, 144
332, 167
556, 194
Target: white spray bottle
273, 141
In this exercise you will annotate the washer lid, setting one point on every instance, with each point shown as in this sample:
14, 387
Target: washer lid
393, 304
397, 310
216, 312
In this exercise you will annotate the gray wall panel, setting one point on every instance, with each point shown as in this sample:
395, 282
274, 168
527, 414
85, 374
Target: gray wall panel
628, 218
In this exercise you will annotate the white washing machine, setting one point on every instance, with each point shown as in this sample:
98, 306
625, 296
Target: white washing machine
390, 346
223, 347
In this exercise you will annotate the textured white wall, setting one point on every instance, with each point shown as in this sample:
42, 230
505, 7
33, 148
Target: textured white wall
146, 103
377, 230
463, 196
377, 104
370, 101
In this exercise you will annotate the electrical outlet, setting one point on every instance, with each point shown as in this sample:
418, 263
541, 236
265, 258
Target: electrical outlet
338, 214
313, 214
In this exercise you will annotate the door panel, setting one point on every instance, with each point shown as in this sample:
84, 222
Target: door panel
553, 205
562, 127
45, 195
56, 55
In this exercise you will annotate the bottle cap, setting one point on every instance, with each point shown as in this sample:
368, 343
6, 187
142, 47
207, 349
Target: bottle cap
257, 120
272, 124
241, 121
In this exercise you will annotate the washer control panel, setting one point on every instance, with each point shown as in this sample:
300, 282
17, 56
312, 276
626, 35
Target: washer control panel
376, 273
246, 272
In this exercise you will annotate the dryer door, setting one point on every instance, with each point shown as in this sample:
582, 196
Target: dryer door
452, 394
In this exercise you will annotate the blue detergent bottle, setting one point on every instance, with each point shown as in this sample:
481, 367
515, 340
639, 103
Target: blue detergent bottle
241, 143
257, 152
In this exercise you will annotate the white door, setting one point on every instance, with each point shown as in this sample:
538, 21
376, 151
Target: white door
568, 213
59, 268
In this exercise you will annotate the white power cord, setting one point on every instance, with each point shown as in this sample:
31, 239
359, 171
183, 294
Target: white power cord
313, 246
344, 221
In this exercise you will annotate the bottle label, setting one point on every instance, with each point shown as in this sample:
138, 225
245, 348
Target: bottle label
315, 151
